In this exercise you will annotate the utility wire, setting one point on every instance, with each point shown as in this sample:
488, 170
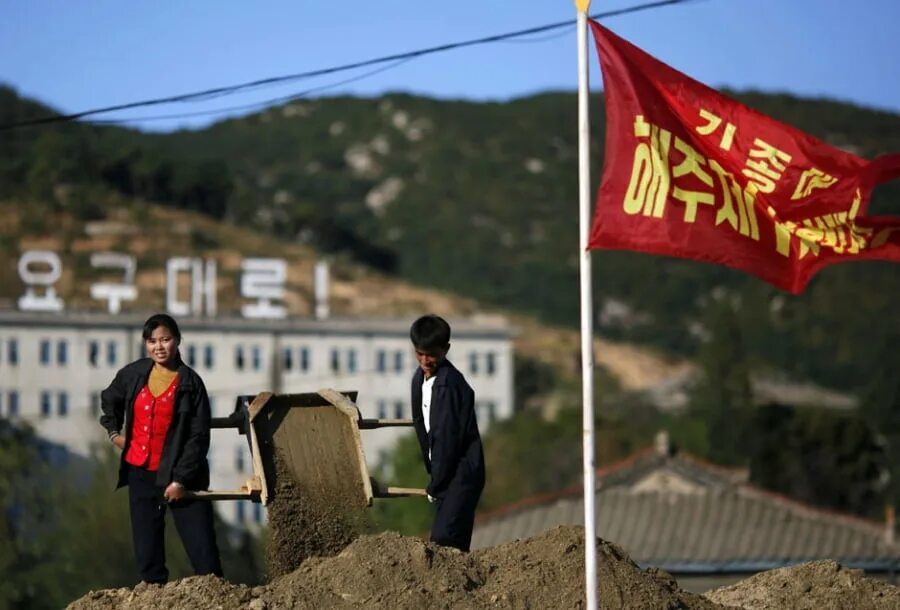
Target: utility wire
229, 90
254, 106
261, 105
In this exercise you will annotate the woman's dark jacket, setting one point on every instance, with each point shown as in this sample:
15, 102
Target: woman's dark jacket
456, 463
187, 441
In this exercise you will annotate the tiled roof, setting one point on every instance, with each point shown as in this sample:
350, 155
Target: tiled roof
709, 520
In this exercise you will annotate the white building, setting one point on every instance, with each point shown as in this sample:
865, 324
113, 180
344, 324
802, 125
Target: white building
53, 367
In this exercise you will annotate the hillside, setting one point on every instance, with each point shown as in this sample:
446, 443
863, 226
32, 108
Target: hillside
154, 233
473, 199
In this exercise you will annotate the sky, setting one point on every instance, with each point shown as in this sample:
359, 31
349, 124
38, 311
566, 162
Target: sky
76, 56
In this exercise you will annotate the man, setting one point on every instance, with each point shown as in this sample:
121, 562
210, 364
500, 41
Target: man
443, 407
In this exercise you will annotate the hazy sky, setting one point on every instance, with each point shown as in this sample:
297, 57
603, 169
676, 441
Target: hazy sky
80, 55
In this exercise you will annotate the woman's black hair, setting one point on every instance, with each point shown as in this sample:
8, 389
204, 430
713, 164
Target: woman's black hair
161, 319
430, 332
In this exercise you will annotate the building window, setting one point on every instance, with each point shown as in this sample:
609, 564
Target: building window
304, 358
45, 351
111, 356
486, 412
239, 358
473, 363
490, 364
12, 403
257, 512
45, 404
239, 460
491, 411
12, 351
94, 353
257, 357
208, 357
381, 361
382, 409
62, 352
398, 361
351, 360
240, 511
192, 355
398, 409
212, 405
62, 404
335, 361
94, 409
287, 360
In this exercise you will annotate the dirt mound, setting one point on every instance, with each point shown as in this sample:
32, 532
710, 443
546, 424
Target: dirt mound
384, 571
547, 571
392, 571
193, 592
819, 585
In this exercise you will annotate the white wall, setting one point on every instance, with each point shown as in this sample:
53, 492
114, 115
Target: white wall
357, 344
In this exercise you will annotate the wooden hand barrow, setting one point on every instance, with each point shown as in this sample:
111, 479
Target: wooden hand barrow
316, 435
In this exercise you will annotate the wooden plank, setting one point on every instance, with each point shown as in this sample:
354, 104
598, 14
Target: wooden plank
255, 408
349, 408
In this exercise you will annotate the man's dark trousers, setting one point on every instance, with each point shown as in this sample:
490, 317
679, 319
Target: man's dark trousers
193, 520
455, 518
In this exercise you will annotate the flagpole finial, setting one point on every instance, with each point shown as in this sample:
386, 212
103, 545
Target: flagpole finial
582, 5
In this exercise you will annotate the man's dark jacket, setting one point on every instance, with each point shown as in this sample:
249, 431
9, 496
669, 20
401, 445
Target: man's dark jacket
187, 441
457, 460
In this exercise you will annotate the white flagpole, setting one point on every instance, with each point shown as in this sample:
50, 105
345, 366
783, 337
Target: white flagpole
587, 330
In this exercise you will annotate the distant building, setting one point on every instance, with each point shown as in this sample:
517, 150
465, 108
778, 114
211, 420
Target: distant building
700, 522
53, 367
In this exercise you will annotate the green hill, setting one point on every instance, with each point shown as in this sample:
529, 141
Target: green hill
479, 199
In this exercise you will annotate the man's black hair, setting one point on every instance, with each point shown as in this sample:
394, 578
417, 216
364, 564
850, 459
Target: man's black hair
430, 332
161, 319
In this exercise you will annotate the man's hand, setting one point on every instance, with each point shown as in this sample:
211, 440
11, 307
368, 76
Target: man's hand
119, 441
175, 491
431, 498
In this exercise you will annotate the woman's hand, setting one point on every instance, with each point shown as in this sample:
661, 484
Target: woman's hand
175, 491
119, 441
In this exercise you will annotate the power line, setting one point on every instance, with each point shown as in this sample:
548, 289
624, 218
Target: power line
215, 92
254, 106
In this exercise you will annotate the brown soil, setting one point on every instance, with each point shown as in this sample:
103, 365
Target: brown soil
303, 524
819, 585
392, 571
317, 560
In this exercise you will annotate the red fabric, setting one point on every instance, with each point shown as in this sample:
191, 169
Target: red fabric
692, 173
152, 416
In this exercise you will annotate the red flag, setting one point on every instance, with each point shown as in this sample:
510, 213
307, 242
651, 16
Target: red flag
692, 173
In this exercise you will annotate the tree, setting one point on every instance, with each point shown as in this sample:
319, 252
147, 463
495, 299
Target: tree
30, 494
409, 516
818, 456
881, 408
723, 397
64, 530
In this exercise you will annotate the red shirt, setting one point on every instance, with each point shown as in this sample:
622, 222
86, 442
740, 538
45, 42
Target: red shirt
152, 416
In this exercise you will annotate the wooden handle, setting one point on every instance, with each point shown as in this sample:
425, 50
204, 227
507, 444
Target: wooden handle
369, 424
401, 492
236, 494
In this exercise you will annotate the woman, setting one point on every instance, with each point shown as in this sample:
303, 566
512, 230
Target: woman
164, 409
